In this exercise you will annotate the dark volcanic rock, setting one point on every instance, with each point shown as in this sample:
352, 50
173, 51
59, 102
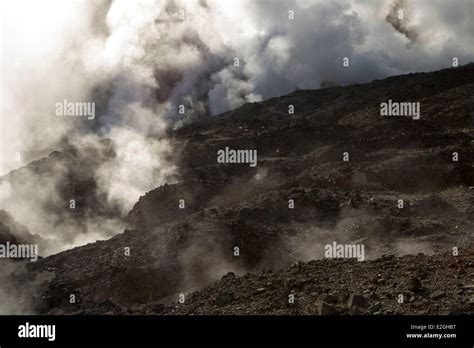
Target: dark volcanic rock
301, 196
356, 300
326, 309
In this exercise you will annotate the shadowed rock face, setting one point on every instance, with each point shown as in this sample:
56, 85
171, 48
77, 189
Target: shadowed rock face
300, 158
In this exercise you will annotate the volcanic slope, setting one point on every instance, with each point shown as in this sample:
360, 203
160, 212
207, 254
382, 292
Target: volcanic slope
406, 186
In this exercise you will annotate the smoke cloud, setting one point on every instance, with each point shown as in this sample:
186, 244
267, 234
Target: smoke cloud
397, 18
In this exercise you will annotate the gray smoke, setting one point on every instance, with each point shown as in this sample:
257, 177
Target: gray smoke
398, 18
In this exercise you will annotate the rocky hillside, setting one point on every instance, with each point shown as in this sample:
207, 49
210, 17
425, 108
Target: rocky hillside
237, 218
421, 284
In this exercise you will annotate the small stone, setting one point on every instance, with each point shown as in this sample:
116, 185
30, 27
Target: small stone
374, 296
229, 275
224, 298
471, 286
388, 256
377, 306
326, 309
437, 294
356, 300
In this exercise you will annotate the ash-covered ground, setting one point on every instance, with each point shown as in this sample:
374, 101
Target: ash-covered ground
345, 169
